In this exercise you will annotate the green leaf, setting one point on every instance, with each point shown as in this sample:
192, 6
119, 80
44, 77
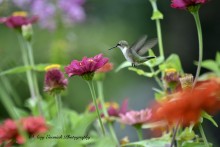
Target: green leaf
195, 144
217, 58
209, 117
141, 72
21, 112
157, 15
186, 135
154, 62
123, 65
155, 142
154, 125
80, 122
173, 61
16, 70
210, 65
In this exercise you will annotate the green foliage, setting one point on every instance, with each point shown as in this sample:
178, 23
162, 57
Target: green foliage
186, 135
213, 65
195, 144
154, 62
173, 61
209, 117
123, 65
143, 73
155, 142
16, 70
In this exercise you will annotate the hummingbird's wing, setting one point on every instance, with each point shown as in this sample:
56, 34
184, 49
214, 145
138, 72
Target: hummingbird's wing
138, 44
148, 44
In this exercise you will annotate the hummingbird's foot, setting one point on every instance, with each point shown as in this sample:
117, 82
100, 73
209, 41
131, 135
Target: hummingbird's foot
133, 64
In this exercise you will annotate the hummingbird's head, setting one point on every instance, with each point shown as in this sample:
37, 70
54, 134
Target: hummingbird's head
121, 44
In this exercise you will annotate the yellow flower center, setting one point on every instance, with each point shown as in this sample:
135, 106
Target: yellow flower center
52, 66
111, 104
20, 13
170, 70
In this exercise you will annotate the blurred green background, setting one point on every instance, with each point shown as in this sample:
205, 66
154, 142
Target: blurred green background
106, 23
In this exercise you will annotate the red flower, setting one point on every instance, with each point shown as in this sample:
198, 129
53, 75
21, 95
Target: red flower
9, 133
34, 125
86, 67
183, 4
186, 106
17, 20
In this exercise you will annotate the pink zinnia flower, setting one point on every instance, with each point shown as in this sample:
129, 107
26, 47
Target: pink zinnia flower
86, 67
183, 4
54, 81
17, 20
34, 125
136, 117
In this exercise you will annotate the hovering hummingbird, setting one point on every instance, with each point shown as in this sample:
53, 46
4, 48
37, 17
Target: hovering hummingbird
135, 52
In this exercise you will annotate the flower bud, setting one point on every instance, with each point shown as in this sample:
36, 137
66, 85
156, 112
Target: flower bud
186, 81
27, 32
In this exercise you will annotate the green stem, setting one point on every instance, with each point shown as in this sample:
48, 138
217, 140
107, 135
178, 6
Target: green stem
101, 97
157, 15
139, 132
203, 135
31, 58
199, 30
31, 76
26, 63
59, 109
159, 35
157, 79
92, 90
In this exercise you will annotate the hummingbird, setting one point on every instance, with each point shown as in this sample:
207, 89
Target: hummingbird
135, 52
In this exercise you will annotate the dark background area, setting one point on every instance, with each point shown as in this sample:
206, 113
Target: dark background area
108, 22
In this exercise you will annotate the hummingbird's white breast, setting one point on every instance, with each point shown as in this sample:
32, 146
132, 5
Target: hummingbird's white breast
125, 53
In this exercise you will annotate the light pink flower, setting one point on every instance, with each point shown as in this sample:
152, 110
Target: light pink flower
135, 117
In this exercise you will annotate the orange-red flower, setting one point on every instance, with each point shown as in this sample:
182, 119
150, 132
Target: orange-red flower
186, 106
107, 67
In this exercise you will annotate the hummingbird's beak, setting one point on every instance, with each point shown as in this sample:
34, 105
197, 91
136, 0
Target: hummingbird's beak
113, 47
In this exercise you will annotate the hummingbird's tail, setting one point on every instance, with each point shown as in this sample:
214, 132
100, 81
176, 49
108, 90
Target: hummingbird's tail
148, 58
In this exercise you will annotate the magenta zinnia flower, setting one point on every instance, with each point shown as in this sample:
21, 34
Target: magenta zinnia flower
54, 81
17, 20
183, 4
136, 117
86, 67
